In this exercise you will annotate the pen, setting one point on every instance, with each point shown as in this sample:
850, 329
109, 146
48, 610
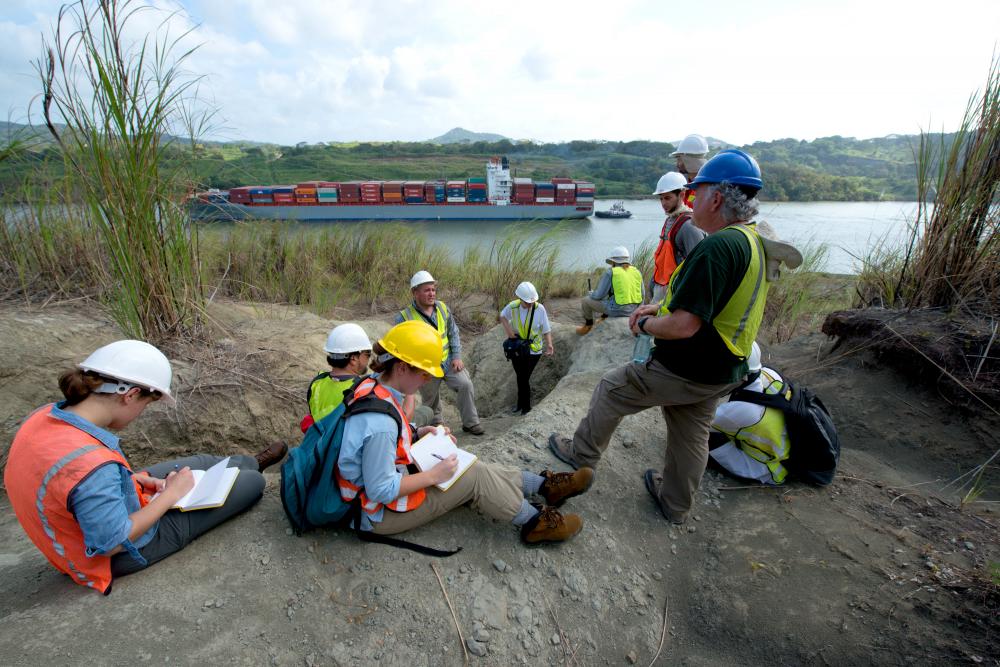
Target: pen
438, 457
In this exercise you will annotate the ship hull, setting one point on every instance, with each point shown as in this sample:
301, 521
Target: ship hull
415, 212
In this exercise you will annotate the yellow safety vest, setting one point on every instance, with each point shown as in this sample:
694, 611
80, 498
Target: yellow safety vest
326, 393
627, 284
411, 313
739, 320
522, 326
767, 440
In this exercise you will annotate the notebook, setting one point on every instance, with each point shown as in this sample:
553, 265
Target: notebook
211, 487
436, 442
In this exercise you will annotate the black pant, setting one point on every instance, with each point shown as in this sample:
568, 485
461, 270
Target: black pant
523, 367
177, 529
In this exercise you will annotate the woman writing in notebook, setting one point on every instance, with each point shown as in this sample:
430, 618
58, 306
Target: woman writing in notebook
376, 466
74, 492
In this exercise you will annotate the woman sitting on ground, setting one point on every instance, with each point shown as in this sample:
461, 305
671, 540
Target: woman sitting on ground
375, 461
74, 492
517, 318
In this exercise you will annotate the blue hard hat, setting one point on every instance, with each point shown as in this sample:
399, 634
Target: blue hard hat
732, 166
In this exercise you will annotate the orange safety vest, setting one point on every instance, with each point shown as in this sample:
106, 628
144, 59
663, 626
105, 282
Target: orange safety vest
664, 261
348, 490
47, 460
688, 198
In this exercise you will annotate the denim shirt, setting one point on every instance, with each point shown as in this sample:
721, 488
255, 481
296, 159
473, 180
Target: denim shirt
103, 501
368, 458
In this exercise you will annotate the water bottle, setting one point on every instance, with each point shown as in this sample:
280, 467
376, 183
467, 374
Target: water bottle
643, 348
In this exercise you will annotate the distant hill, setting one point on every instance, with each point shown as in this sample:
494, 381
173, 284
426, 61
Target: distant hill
458, 135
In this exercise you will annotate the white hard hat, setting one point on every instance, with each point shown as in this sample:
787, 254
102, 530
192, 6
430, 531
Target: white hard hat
753, 361
421, 277
669, 182
692, 144
346, 339
132, 363
526, 292
618, 255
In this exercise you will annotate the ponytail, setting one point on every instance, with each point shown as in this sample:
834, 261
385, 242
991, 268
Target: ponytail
77, 385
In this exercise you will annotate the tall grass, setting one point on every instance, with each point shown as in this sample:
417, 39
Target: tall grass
952, 257
517, 257
118, 101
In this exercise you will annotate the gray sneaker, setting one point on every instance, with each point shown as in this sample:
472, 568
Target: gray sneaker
653, 481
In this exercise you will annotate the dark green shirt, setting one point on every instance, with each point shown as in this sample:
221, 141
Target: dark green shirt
705, 283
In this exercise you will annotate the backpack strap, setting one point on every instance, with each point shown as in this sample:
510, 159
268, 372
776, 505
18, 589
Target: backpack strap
777, 401
371, 536
676, 227
309, 391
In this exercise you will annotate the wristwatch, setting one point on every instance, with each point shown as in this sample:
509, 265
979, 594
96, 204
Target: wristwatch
642, 324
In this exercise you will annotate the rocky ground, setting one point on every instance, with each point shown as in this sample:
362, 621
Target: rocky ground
884, 566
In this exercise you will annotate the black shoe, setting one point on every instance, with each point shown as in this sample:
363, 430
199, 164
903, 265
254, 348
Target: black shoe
653, 481
475, 429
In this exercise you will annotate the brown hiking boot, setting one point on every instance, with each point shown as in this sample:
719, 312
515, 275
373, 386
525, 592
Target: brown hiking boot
562, 448
268, 457
549, 525
559, 487
584, 329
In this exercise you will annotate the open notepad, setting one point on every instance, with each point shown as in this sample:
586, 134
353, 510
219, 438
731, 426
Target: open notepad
437, 443
211, 487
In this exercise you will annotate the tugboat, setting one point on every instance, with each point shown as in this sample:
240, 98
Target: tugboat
617, 210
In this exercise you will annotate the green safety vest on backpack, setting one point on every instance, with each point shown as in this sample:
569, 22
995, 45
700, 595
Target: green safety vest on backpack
627, 285
739, 320
326, 393
767, 440
522, 327
441, 310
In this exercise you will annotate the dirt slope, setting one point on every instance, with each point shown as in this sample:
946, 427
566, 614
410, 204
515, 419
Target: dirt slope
873, 569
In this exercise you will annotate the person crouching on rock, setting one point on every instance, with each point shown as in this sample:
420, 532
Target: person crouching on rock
348, 351
74, 492
526, 320
375, 461
618, 293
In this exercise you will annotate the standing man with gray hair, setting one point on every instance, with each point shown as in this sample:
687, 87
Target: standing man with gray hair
426, 308
704, 332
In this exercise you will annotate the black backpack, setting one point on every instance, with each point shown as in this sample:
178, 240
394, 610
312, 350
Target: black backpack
815, 446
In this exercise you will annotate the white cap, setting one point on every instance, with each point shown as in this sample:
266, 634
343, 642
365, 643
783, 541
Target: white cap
692, 144
421, 277
619, 255
669, 182
347, 339
132, 363
526, 292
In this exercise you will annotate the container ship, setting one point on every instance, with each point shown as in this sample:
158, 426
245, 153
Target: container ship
495, 197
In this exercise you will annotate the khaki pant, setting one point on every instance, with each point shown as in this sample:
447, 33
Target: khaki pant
687, 407
490, 489
461, 383
590, 306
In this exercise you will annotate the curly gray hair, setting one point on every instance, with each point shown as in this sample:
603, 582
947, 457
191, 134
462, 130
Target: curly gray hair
737, 205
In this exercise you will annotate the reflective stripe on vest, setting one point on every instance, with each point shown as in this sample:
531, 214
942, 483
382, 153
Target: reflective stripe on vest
349, 490
739, 320
522, 325
627, 284
325, 394
766, 440
47, 460
411, 313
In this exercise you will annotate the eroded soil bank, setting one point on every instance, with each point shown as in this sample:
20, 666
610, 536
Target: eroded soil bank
880, 567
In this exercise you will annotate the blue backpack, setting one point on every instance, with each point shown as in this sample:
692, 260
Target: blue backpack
309, 490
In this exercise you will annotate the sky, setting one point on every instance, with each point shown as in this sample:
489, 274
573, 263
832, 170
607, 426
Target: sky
409, 70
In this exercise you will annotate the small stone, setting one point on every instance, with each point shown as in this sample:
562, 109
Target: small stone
658, 576
477, 649
697, 517
555, 639
691, 529
499, 565
464, 569
595, 604
481, 635
632, 657
311, 549
969, 545
265, 560
209, 603
289, 531
524, 616
673, 549
219, 604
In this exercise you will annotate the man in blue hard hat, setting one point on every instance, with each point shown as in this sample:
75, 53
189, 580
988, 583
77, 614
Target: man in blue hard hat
704, 330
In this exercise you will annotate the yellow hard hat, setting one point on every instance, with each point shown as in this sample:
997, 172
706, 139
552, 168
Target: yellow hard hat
417, 343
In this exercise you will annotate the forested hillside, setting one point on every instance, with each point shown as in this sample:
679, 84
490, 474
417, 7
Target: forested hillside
830, 168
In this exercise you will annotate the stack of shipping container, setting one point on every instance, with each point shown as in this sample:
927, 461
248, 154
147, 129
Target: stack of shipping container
240, 196
565, 190
455, 192
545, 193
350, 192
261, 195
584, 192
434, 192
392, 192
524, 191
413, 192
327, 192
371, 192
283, 195
477, 191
